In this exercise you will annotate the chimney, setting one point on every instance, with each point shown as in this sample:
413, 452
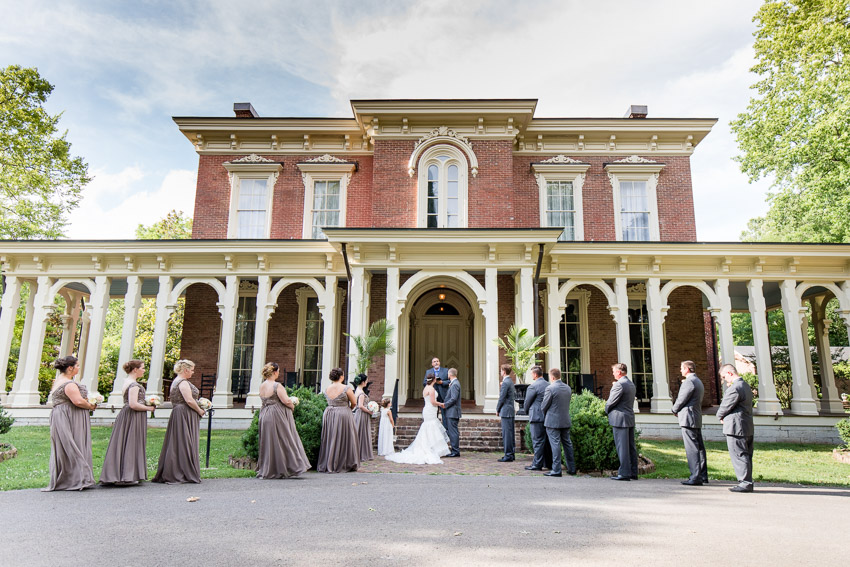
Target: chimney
244, 110
636, 111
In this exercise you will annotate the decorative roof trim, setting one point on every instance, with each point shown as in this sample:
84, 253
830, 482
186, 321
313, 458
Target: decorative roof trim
442, 135
252, 158
561, 158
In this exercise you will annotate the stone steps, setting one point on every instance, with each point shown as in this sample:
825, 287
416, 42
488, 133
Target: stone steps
475, 434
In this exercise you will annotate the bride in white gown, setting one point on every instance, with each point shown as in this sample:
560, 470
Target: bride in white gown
431, 441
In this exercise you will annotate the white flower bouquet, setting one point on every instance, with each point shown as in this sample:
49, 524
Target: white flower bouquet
154, 401
95, 398
295, 400
204, 404
373, 407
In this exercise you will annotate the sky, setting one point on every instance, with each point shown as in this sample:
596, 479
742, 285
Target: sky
121, 70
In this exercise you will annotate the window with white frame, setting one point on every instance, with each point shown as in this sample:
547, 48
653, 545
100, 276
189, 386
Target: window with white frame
325, 193
243, 345
641, 368
634, 181
252, 181
442, 188
560, 181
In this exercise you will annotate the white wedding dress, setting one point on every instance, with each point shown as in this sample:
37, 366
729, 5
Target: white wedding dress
430, 444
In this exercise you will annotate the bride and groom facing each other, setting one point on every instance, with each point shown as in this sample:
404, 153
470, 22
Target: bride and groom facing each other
434, 439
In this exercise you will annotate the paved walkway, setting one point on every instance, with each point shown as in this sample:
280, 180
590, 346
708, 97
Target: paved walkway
425, 519
469, 463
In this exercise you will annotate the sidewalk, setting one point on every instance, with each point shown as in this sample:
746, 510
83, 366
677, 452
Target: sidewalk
469, 463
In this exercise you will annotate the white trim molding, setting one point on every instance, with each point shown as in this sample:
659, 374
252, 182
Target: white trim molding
431, 157
250, 167
324, 168
562, 168
636, 168
440, 136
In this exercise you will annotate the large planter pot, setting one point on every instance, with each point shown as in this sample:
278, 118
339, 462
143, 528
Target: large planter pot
520, 397
7, 451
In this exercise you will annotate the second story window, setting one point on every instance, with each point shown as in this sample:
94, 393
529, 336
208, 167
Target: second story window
252, 180
252, 208
560, 208
442, 188
560, 180
326, 207
634, 211
325, 193
633, 184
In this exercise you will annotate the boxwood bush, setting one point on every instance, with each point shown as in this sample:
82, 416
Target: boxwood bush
6, 421
308, 423
843, 427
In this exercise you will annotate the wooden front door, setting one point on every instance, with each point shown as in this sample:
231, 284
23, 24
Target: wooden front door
449, 339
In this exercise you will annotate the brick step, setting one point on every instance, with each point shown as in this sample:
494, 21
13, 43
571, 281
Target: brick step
475, 435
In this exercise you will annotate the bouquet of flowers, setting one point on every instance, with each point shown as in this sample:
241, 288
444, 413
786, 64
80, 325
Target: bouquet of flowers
204, 404
295, 400
373, 407
154, 401
95, 398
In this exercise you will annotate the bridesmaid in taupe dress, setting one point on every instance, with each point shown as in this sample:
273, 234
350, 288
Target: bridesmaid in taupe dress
339, 451
179, 461
126, 462
281, 451
363, 418
70, 430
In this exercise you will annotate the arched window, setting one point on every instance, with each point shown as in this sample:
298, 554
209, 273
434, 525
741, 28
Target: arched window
442, 188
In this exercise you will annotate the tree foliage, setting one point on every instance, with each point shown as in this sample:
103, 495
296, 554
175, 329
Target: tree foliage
40, 181
175, 226
795, 129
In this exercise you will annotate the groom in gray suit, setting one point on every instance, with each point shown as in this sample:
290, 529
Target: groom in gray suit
621, 416
451, 409
688, 408
736, 414
556, 408
505, 409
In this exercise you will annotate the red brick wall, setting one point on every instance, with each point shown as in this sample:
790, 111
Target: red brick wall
283, 329
378, 310
201, 330
685, 329
394, 191
603, 339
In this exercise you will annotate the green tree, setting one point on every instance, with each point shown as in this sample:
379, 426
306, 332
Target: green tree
40, 181
795, 129
175, 226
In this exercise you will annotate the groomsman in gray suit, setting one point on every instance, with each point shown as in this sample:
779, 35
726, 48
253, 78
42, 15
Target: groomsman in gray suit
621, 416
736, 414
688, 408
533, 400
505, 409
451, 407
556, 408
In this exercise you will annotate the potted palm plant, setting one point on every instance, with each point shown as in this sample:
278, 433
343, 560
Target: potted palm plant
375, 343
522, 348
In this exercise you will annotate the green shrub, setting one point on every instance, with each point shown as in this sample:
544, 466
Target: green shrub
308, 422
6, 421
843, 428
753, 382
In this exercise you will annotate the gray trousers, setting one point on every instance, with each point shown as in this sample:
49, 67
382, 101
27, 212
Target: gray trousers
454, 434
624, 440
695, 450
508, 436
538, 442
558, 437
741, 452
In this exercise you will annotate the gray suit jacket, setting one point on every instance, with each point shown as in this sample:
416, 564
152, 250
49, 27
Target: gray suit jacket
736, 409
507, 398
442, 374
688, 406
556, 405
533, 400
620, 405
452, 401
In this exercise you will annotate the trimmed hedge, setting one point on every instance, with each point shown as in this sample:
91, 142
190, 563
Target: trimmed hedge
843, 428
308, 422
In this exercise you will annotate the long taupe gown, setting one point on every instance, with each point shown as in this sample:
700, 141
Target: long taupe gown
179, 461
339, 451
125, 461
70, 443
363, 423
281, 451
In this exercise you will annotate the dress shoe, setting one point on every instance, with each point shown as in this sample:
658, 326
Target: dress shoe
739, 488
618, 477
550, 473
453, 455
571, 473
705, 481
692, 482
506, 459
530, 468
633, 477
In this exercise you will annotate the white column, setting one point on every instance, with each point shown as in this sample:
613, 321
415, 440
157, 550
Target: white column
803, 392
660, 402
261, 338
329, 309
132, 304
8, 313
491, 332
554, 313
391, 369
723, 318
223, 397
845, 305
620, 313
69, 323
160, 335
830, 402
85, 317
98, 305
29, 310
768, 403
526, 303
25, 388
359, 318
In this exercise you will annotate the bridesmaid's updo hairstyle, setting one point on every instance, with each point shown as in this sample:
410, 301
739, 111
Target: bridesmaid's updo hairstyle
182, 365
335, 374
131, 365
64, 363
269, 369
360, 379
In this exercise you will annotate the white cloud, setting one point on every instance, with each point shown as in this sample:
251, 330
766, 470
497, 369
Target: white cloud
115, 204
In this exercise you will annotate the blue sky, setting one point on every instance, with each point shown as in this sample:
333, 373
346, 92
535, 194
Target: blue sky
123, 69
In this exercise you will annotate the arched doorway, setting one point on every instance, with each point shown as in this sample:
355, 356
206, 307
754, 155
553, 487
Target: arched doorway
441, 325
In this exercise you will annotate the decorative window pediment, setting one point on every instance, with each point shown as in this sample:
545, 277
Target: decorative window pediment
560, 180
442, 201
634, 180
252, 180
326, 181
439, 136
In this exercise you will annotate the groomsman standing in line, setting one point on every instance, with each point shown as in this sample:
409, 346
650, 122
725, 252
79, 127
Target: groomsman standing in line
505, 409
736, 414
533, 399
621, 416
556, 407
688, 408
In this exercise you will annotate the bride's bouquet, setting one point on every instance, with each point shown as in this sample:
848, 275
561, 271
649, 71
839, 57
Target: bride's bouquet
95, 398
204, 404
373, 407
295, 400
